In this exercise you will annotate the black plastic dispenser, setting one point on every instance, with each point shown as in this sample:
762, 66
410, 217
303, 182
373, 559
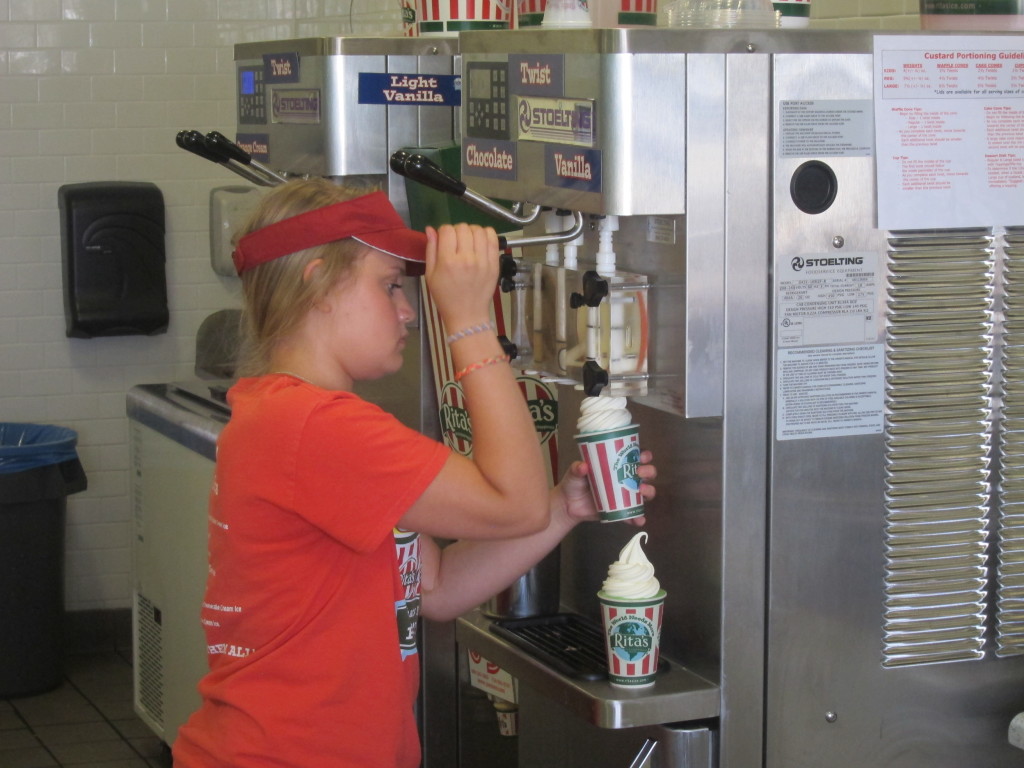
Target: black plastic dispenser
112, 249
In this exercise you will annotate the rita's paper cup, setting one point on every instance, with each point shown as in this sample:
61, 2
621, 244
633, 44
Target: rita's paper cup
632, 634
408, 9
449, 17
530, 13
624, 13
613, 456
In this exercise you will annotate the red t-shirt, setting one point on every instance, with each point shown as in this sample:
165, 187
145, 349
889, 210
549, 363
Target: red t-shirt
308, 591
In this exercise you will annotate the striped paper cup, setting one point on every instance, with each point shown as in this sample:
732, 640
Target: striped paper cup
632, 634
409, 28
624, 13
530, 13
613, 456
449, 17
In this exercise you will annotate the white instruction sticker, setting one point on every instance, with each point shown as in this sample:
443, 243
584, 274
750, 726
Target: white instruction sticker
826, 128
829, 370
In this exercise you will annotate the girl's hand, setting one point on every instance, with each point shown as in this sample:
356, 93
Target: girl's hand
575, 489
462, 272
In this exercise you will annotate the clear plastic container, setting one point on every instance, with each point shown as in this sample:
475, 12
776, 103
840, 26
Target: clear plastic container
722, 14
566, 14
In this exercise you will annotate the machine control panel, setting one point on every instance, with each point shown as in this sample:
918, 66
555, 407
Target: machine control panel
487, 110
252, 101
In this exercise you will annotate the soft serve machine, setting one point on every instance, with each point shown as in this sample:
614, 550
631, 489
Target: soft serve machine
832, 406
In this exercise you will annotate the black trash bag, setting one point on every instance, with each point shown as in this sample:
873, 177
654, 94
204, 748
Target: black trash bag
39, 468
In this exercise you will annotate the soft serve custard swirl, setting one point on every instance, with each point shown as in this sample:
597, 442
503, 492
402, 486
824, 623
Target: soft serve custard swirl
632, 575
598, 414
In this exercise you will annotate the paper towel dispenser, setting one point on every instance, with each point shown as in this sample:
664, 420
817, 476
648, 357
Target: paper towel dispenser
112, 252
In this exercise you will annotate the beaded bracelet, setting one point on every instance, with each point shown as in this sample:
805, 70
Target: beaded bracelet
488, 326
482, 364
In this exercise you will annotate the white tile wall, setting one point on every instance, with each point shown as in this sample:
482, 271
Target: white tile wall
95, 90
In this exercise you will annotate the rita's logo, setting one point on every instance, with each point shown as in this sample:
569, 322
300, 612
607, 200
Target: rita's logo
631, 640
457, 430
625, 464
455, 425
543, 405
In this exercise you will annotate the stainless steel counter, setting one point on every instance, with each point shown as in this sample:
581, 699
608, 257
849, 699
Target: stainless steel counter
677, 695
189, 413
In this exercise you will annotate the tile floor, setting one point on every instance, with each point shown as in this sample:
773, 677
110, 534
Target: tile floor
87, 723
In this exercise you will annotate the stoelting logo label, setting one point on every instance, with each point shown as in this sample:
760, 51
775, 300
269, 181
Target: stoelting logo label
799, 263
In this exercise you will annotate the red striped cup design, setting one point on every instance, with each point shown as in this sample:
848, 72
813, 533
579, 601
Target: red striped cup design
612, 457
451, 16
409, 28
632, 633
530, 13
624, 13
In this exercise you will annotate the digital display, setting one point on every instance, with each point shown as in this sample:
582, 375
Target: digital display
479, 83
247, 87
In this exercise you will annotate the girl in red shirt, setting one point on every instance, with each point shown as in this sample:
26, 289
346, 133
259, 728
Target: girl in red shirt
317, 569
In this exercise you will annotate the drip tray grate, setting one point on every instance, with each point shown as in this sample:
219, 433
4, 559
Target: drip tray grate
566, 642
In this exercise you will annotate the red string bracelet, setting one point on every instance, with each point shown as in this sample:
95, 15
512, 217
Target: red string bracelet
482, 364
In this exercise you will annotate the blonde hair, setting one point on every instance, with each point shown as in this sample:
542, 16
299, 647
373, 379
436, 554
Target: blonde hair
276, 296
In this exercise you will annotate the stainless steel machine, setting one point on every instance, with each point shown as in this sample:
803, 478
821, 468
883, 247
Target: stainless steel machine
832, 406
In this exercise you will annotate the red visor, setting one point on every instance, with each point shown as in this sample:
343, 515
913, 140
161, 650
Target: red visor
370, 219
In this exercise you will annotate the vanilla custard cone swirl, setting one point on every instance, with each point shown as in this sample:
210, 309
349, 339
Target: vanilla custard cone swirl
598, 414
632, 575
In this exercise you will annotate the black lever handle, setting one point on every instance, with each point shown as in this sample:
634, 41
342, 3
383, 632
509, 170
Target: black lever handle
595, 288
509, 347
194, 142
595, 378
219, 143
426, 172
397, 161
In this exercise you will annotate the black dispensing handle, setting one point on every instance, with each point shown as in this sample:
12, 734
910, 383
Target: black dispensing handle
509, 347
222, 145
426, 172
595, 378
595, 288
194, 142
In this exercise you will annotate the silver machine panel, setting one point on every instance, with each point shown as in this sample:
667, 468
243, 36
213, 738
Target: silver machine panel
842, 601
844, 594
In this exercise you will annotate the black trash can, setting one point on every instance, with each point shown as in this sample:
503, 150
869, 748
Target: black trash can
39, 468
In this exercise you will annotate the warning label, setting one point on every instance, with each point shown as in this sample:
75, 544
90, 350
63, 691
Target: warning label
829, 391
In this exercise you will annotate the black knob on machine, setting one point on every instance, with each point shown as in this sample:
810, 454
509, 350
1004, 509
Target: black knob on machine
595, 288
507, 271
195, 142
218, 142
426, 172
595, 378
509, 346
397, 161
